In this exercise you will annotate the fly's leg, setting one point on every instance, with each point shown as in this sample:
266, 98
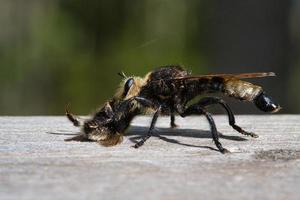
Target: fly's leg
199, 110
149, 134
146, 103
172, 123
215, 100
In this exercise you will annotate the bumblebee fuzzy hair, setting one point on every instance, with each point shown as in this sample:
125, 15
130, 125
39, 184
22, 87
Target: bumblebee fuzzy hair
111, 140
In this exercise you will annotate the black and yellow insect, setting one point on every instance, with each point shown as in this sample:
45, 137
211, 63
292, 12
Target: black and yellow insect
167, 90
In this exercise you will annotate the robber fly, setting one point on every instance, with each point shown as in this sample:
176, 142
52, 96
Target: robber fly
167, 91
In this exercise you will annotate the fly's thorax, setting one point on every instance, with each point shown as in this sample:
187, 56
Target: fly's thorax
241, 89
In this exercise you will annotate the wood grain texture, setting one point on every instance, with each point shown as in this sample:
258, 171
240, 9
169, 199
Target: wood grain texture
36, 162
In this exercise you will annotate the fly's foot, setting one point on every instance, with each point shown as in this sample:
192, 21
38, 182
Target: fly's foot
142, 141
242, 131
173, 125
225, 151
138, 144
249, 134
221, 148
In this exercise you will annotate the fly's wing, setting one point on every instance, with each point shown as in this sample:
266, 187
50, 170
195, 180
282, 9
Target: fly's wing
229, 76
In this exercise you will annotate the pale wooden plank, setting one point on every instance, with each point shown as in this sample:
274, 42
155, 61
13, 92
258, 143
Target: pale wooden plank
35, 164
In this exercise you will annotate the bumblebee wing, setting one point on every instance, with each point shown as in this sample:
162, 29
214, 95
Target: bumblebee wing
229, 76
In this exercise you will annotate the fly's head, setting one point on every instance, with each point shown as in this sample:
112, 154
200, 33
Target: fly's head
130, 87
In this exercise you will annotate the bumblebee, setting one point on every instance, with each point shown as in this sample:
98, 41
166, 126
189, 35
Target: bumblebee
167, 91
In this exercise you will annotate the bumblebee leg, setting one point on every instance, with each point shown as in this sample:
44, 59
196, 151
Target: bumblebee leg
173, 125
153, 122
215, 100
71, 117
198, 109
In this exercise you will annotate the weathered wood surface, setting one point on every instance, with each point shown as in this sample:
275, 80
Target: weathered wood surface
36, 163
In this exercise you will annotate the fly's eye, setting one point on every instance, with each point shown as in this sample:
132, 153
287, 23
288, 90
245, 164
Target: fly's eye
127, 86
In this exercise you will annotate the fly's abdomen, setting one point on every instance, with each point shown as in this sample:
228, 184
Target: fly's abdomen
249, 92
232, 87
241, 89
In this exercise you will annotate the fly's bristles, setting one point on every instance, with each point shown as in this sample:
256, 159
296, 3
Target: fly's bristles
122, 74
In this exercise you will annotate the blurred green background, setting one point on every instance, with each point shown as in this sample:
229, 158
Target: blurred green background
54, 52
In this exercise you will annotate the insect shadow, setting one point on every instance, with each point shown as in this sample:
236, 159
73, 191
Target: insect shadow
75, 136
135, 133
64, 132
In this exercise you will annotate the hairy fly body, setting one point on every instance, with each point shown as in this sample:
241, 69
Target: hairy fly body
168, 90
